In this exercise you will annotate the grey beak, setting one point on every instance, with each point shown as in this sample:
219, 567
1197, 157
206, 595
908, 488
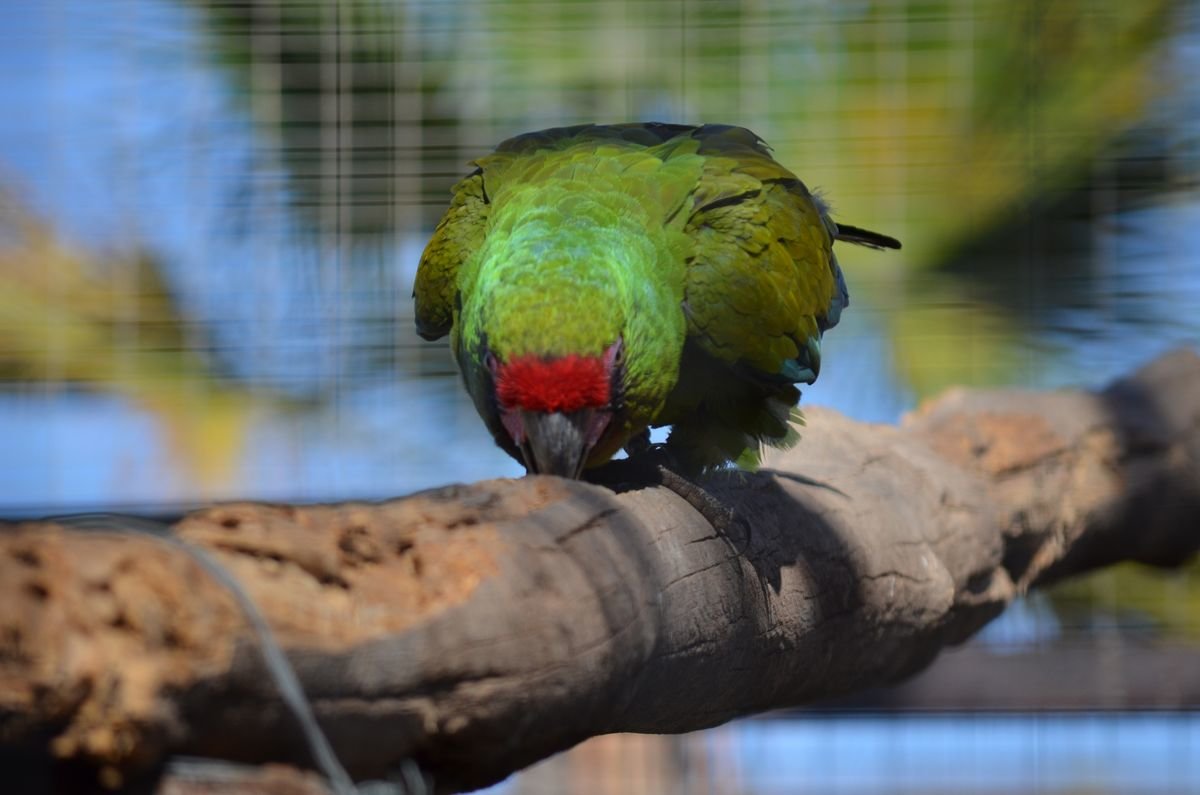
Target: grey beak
556, 444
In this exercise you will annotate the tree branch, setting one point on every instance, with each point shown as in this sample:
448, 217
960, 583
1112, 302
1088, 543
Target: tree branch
480, 628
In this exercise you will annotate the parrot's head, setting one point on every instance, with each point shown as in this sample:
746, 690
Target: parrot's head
558, 410
568, 330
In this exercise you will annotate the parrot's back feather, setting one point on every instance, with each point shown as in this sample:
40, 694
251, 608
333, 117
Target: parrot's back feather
744, 254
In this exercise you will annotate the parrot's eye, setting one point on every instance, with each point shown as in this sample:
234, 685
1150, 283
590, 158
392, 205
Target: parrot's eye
614, 358
615, 355
489, 361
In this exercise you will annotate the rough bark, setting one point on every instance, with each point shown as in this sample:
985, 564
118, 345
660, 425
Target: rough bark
479, 628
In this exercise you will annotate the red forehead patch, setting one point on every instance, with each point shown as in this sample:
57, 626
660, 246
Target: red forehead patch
565, 384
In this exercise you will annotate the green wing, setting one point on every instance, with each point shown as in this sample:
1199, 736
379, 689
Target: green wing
458, 235
763, 282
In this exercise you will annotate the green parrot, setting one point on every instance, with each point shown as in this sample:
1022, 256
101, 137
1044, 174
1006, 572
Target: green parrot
601, 280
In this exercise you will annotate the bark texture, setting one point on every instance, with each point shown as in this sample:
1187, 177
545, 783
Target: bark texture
477, 629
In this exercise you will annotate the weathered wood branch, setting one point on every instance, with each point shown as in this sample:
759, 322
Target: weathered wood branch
480, 628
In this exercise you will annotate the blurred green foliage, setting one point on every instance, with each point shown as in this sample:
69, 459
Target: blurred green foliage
1132, 598
75, 320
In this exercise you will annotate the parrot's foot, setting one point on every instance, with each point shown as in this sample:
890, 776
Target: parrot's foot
640, 445
723, 519
653, 463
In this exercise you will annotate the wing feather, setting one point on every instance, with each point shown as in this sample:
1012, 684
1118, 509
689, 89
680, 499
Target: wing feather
457, 236
763, 282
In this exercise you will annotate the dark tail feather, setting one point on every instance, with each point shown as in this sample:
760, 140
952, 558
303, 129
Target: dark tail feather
865, 237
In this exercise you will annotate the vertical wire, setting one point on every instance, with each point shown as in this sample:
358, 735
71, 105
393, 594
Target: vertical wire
408, 182
329, 213
53, 374
266, 86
